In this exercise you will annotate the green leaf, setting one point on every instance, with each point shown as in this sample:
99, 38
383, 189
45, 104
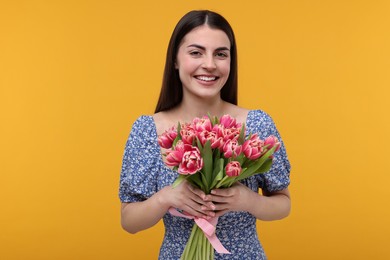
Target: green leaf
265, 167
241, 137
240, 159
223, 182
207, 155
248, 163
211, 118
204, 184
195, 179
199, 144
217, 154
179, 180
217, 161
178, 137
217, 173
253, 169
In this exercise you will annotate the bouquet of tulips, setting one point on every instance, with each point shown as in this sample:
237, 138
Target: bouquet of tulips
210, 153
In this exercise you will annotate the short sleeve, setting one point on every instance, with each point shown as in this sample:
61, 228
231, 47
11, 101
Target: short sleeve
278, 177
138, 180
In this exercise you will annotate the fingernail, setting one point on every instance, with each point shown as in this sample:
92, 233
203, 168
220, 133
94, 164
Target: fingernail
212, 207
212, 192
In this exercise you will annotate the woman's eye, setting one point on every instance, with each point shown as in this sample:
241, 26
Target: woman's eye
221, 55
195, 53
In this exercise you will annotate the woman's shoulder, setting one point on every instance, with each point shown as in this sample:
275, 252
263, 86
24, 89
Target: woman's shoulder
143, 128
261, 122
143, 121
258, 115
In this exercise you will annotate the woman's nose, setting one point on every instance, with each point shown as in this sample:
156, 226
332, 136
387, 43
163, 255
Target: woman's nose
209, 63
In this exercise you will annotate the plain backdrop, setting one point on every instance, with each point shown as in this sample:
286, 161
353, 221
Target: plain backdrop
74, 75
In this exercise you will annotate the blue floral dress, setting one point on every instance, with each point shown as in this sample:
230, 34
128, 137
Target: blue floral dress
144, 173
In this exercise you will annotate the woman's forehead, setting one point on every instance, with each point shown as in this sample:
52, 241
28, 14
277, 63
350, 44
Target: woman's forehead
206, 37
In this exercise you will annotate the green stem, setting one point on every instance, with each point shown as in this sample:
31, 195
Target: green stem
186, 254
199, 246
204, 247
221, 182
210, 250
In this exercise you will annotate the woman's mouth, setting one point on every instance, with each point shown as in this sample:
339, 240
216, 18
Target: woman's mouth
207, 78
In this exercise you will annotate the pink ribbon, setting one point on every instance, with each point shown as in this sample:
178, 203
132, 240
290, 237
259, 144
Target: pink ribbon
208, 228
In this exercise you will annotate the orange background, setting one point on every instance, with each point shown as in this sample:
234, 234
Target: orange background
74, 75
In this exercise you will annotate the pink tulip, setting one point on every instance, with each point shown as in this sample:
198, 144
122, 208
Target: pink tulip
191, 161
175, 156
231, 148
228, 122
202, 124
271, 141
218, 130
253, 147
226, 133
233, 169
231, 134
215, 141
166, 139
187, 133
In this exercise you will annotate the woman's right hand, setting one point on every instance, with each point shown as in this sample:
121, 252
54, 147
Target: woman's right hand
189, 199
184, 197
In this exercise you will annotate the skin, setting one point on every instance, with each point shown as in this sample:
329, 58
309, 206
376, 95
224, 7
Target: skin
204, 52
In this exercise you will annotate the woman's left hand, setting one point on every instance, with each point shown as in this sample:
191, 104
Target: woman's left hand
236, 198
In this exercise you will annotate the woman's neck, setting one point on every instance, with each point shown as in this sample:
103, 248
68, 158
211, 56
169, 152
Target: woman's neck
187, 110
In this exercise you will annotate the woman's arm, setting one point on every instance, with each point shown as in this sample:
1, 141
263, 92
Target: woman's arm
269, 206
137, 216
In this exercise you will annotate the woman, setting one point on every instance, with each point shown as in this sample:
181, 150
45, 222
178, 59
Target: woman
200, 77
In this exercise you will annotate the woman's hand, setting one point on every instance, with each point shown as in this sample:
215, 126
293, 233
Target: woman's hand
269, 206
189, 199
236, 198
184, 197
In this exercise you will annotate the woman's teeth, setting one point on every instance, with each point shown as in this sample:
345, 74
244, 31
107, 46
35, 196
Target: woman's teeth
204, 78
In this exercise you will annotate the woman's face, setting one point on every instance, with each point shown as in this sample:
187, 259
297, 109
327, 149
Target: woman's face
203, 61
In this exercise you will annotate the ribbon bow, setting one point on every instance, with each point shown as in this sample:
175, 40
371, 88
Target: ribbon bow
208, 228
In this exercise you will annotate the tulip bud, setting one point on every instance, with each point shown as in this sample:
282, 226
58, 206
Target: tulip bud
271, 141
253, 147
233, 169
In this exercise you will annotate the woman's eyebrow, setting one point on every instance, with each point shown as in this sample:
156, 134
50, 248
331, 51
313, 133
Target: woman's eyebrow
204, 48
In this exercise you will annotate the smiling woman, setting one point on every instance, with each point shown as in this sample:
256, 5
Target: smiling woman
200, 78
203, 62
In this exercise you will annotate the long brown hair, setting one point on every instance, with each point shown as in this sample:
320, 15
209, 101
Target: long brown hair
171, 92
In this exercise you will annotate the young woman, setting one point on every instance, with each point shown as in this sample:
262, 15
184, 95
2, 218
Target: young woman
200, 77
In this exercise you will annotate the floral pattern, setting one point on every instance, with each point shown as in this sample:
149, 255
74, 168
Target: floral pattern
144, 173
